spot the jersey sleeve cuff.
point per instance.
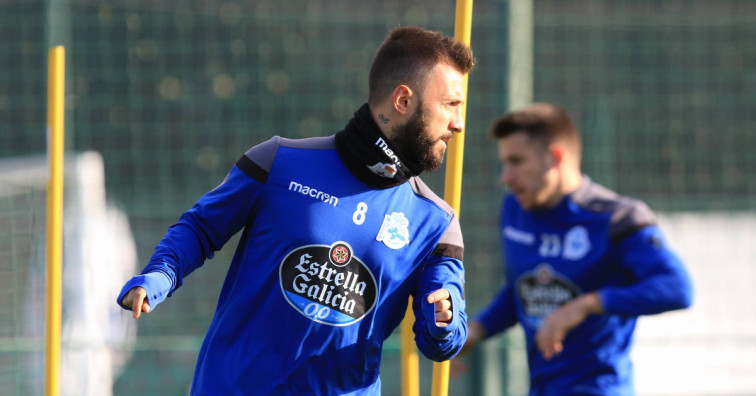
(606, 300)
(156, 284)
(429, 311)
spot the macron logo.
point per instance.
(314, 193)
(519, 236)
(386, 150)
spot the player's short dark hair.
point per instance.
(408, 54)
(542, 122)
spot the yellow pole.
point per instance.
(55, 110)
(452, 195)
(453, 181)
(409, 357)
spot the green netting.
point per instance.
(21, 245)
(663, 92)
(172, 93)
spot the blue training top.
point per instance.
(330, 253)
(593, 240)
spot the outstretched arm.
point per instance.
(661, 284)
(198, 234)
(500, 314)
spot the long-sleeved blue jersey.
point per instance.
(337, 235)
(593, 240)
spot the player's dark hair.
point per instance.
(542, 122)
(408, 54)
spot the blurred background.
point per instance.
(163, 97)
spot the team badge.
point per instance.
(394, 231)
(577, 243)
(382, 169)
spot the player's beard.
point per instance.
(412, 140)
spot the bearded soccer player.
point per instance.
(337, 233)
(582, 262)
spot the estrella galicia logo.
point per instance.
(542, 291)
(328, 284)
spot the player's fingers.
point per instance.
(549, 343)
(443, 305)
(545, 347)
(138, 298)
(136, 308)
(558, 348)
(542, 342)
(438, 295)
(552, 350)
(443, 317)
(128, 298)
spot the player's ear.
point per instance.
(402, 99)
(557, 152)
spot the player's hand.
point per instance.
(137, 299)
(554, 329)
(443, 305)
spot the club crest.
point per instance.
(382, 169)
(577, 243)
(394, 231)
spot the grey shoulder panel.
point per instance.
(451, 243)
(258, 160)
(627, 214)
(264, 153)
(314, 143)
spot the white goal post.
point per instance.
(98, 254)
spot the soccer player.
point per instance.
(337, 233)
(582, 262)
